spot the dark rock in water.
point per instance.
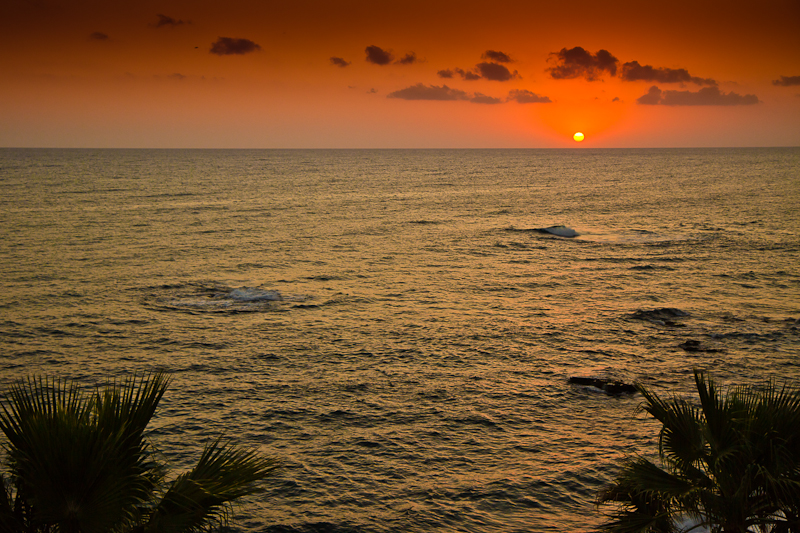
(696, 346)
(610, 386)
(559, 231)
(691, 346)
(664, 316)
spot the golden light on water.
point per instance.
(578, 136)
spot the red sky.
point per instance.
(413, 74)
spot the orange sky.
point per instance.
(262, 74)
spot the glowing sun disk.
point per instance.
(578, 136)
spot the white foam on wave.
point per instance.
(250, 294)
(632, 236)
(560, 231)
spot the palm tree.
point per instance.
(82, 463)
(730, 464)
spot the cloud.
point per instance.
(98, 36)
(226, 46)
(177, 76)
(407, 59)
(495, 72)
(705, 96)
(378, 56)
(616, 99)
(429, 92)
(652, 97)
(577, 63)
(524, 96)
(164, 20)
(633, 71)
(787, 81)
(479, 98)
(485, 71)
(468, 75)
(339, 62)
(494, 55)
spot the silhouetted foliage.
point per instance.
(730, 464)
(80, 462)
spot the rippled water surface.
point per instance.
(391, 324)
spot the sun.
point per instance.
(578, 136)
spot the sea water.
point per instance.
(392, 324)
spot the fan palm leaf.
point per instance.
(82, 463)
(731, 462)
(200, 499)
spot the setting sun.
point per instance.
(578, 136)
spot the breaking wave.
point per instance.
(213, 297)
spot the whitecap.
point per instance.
(559, 231)
(250, 294)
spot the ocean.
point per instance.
(394, 325)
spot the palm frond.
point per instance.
(200, 498)
(681, 439)
(78, 468)
(733, 462)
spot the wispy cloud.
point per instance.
(633, 71)
(495, 72)
(578, 63)
(468, 75)
(495, 55)
(164, 20)
(524, 96)
(339, 62)
(482, 71)
(378, 56)
(480, 98)
(98, 36)
(787, 81)
(225, 46)
(429, 92)
(710, 96)
(407, 59)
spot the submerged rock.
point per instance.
(696, 346)
(610, 386)
(664, 316)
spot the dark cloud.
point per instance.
(787, 81)
(446, 73)
(494, 55)
(616, 99)
(98, 36)
(226, 46)
(705, 96)
(495, 72)
(652, 97)
(524, 96)
(177, 76)
(633, 71)
(407, 59)
(164, 20)
(429, 92)
(468, 75)
(479, 98)
(378, 56)
(339, 62)
(578, 63)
